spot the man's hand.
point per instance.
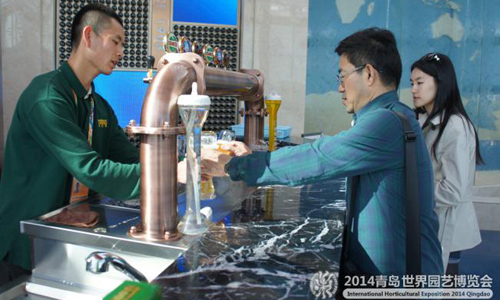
(213, 162)
(236, 148)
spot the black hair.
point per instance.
(377, 47)
(447, 101)
(96, 15)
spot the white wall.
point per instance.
(274, 41)
(27, 35)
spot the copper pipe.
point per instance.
(228, 83)
(254, 112)
(158, 153)
(158, 132)
(254, 123)
(249, 85)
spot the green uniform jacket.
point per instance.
(47, 145)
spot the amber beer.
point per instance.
(208, 141)
(207, 188)
(223, 147)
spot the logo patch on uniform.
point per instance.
(102, 123)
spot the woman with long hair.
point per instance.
(454, 147)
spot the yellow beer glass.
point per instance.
(208, 141)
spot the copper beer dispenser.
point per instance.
(158, 132)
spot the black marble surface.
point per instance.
(268, 247)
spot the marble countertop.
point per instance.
(269, 247)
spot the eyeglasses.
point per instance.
(341, 77)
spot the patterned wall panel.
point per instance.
(135, 15)
(223, 110)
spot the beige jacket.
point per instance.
(454, 170)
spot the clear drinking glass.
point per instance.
(225, 137)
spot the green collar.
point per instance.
(74, 83)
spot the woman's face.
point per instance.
(423, 88)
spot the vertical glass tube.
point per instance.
(193, 221)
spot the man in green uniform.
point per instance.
(62, 129)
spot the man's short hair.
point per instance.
(96, 15)
(377, 47)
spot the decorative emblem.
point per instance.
(170, 43)
(217, 57)
(324, 285)
(184, 45)
(196, 48)
(208, 54)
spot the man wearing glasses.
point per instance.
(373, 150)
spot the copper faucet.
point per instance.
(158, 132)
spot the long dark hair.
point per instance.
(447, 101)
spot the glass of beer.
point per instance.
(208, 141)
(223, 147)
(226, 137)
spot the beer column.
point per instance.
(135, 15)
